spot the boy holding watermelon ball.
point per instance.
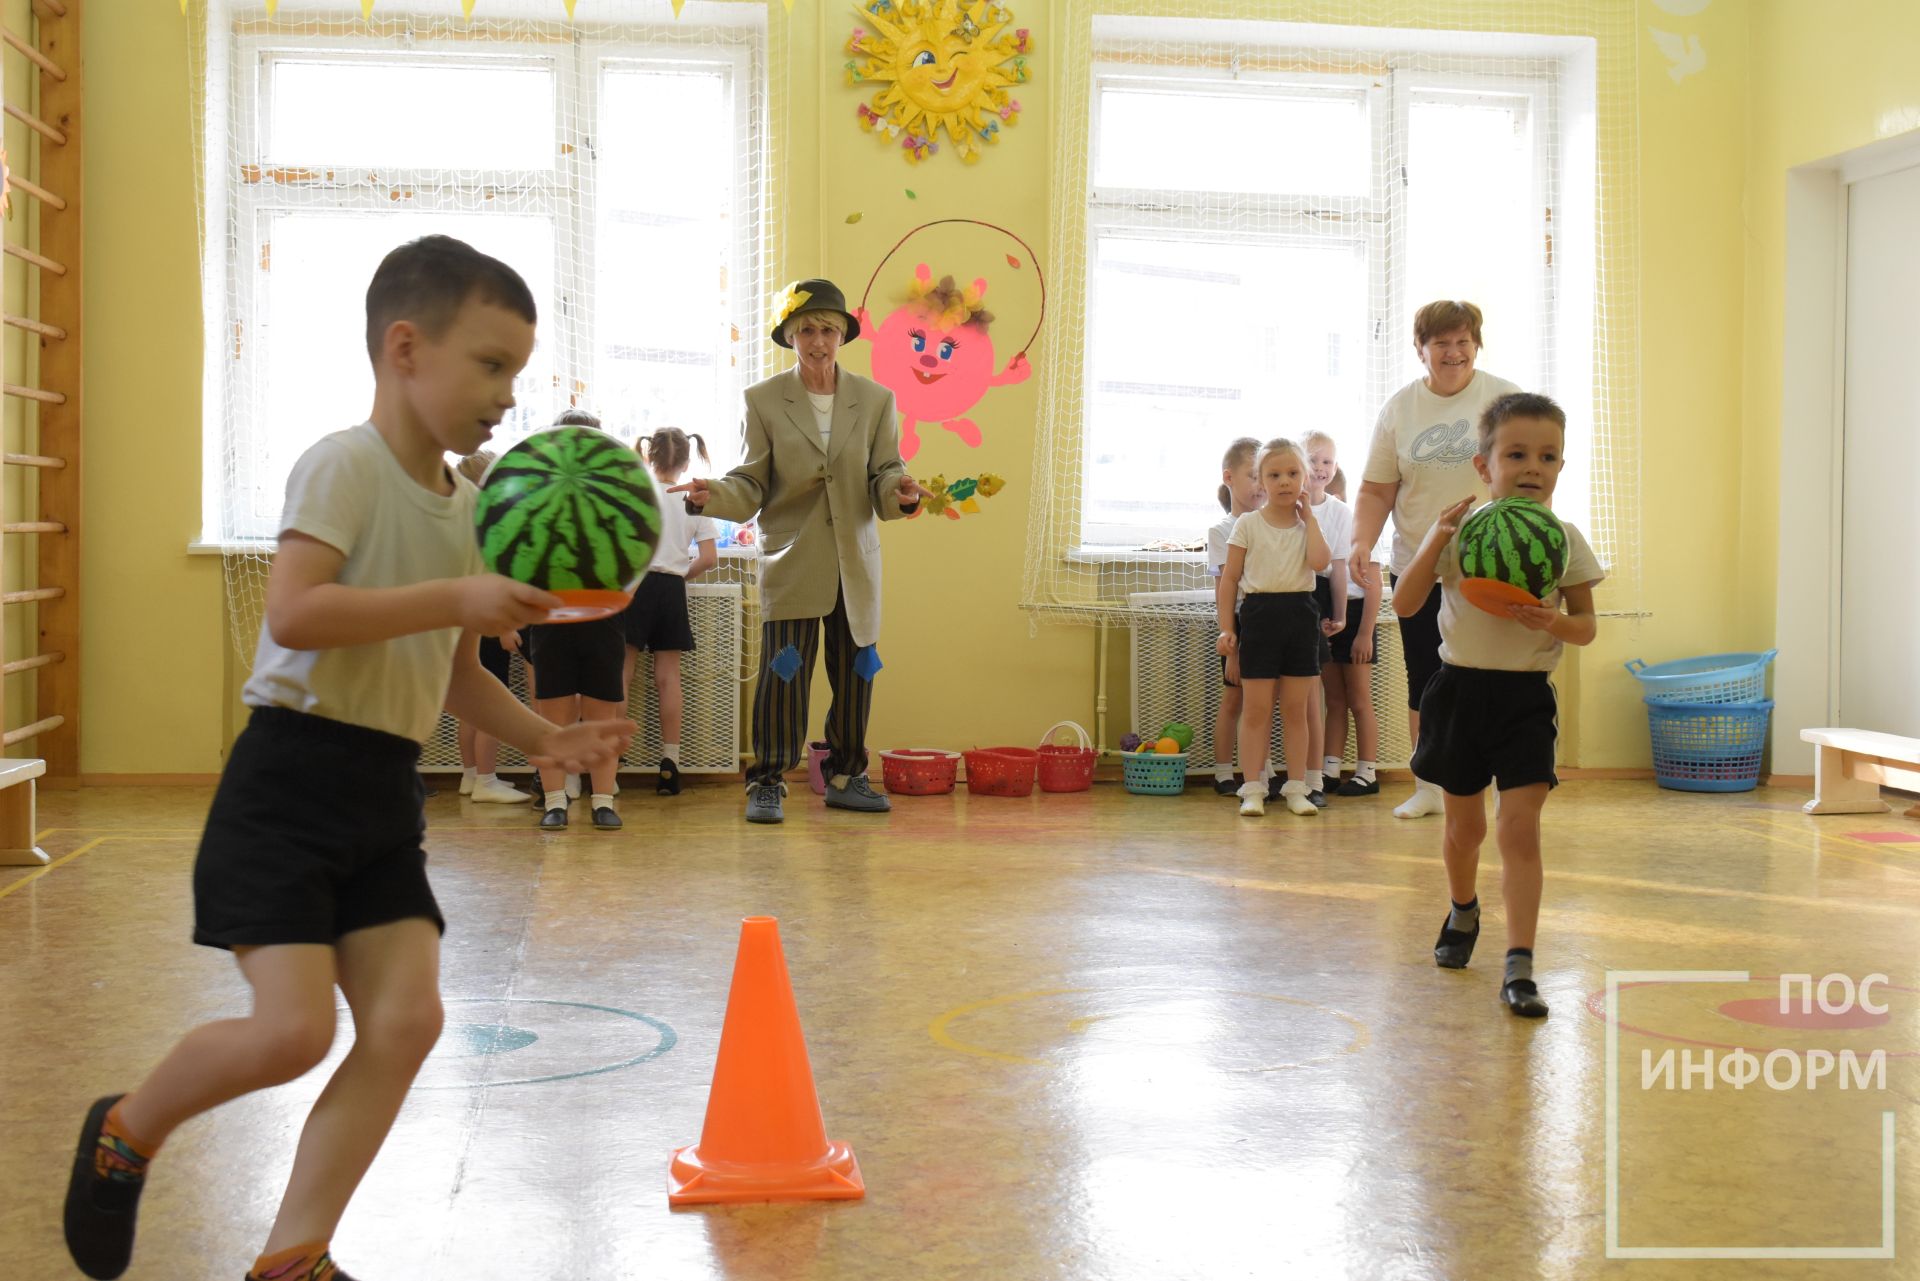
(1488, 715)
(312, 868)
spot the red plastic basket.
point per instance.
(1066, 767)
(919, 771)
(1001, 771)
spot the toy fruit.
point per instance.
(1129, 742)
(1168, 747)
(1179, 732)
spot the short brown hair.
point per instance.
(576, 418)
(428, 280)
(1444, 317)
(1518, 404)
(1240, 451)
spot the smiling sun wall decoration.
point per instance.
(938, 64)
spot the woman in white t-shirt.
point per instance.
(1421, 463)
(656, 618)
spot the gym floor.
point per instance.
(1072, 1036)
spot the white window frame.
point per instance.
(564, 193)
(1114, 210)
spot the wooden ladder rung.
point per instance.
(35, 190)
(34, 730)
(35, 393)
(33, 326)
(33, 55)
(26, 594)
(33, 527)
(32, 460)
(28, 664)
(36, 124)
(27, 255)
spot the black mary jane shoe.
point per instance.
(1455, 947)
(1523, 998)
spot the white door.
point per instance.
(1880, 505)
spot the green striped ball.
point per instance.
(569, 509)
(1517, 541)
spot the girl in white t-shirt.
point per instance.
(1329, 586)
(1349, 679)
(1275, 552)
(1239, 494)
(657, 618)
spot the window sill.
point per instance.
(1126, 555)
(267, 546)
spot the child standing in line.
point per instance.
(1275, 551)
(656, 619)
(1489, 714)
(1239, 494)
(1349, 681)
(1336, 523)
(480, 751)
(576, 677)
(312, 868)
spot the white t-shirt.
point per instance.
(1471, 637)
(823, 414)
(1217, 536)
(679, 531)
(1276, 558)
(1336, 526)
(1425, 443)
(349, 492)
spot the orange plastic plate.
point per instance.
(584, 606)
(1494, 596)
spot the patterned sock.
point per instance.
(301, 1263)
(1465, 915)
(1519, 964)
(1363, 770)
(119, 1156)
(1332, 766)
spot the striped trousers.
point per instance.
(787, 650)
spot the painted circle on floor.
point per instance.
(492, 1041)
(1214, 1030)
(1695, 1013)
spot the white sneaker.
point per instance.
(1426, 799)
(1253, 800)
(1294, 792)
(573, 787)
(499, 792)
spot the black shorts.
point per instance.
(316, 831)
(578, 658)
(1343, 639)
(494, 657)
(656, 618)
(1478, 726)
(1420, 646)
(1279, 636)
(1323, 601)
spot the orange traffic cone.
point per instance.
(763, 1139)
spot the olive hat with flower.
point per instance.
(811, 295)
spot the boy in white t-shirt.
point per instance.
(1489, 714)
(1239, 494)
(312, 868)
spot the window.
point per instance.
(1258, 240)
(548, 153)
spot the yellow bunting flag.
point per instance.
(366, 10)
(273, 7)
(678, 5)
(570, 4)
(466, 7)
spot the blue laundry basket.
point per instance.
(1708, 747)
(1717, 678)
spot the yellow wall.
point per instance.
(1830, 86)
(1784, 82)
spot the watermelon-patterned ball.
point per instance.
(569, 509)
(1516, 541)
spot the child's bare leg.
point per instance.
(469, 751)
(1518, 834)
(1333, 683)
(1358, 678)
(607, 773)
(560, 711)
(666, 684)
(1466, 828)
(390, 975)
(1256, 726)
(1226, 729)
(627, 665)
(1298, 737)
(1315, 720)
(486, 753)
(288, 1032)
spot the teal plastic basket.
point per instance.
(1152, 774)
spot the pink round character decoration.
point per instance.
(934, 354)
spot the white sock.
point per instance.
(1223, 770)
(1332, 765)
(603, 800)
(1316, 781)
(1426, 799)
(556, 800)
(1363, 770)
(670, 752)
(486, 778)
(469, 774)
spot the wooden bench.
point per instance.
(17, 823)
(1849, 766)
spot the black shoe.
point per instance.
(1227, 786)
(1274, 785)
(100, 1212)
(669, 778)
(1355, 786)
(1455, 947)
(554, 819)
(604, 818)
(1523, 998)
(1319, 799)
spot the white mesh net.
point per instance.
(622, 163)
(1248, 212)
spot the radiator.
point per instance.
(1176, 677)
(710, 678)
